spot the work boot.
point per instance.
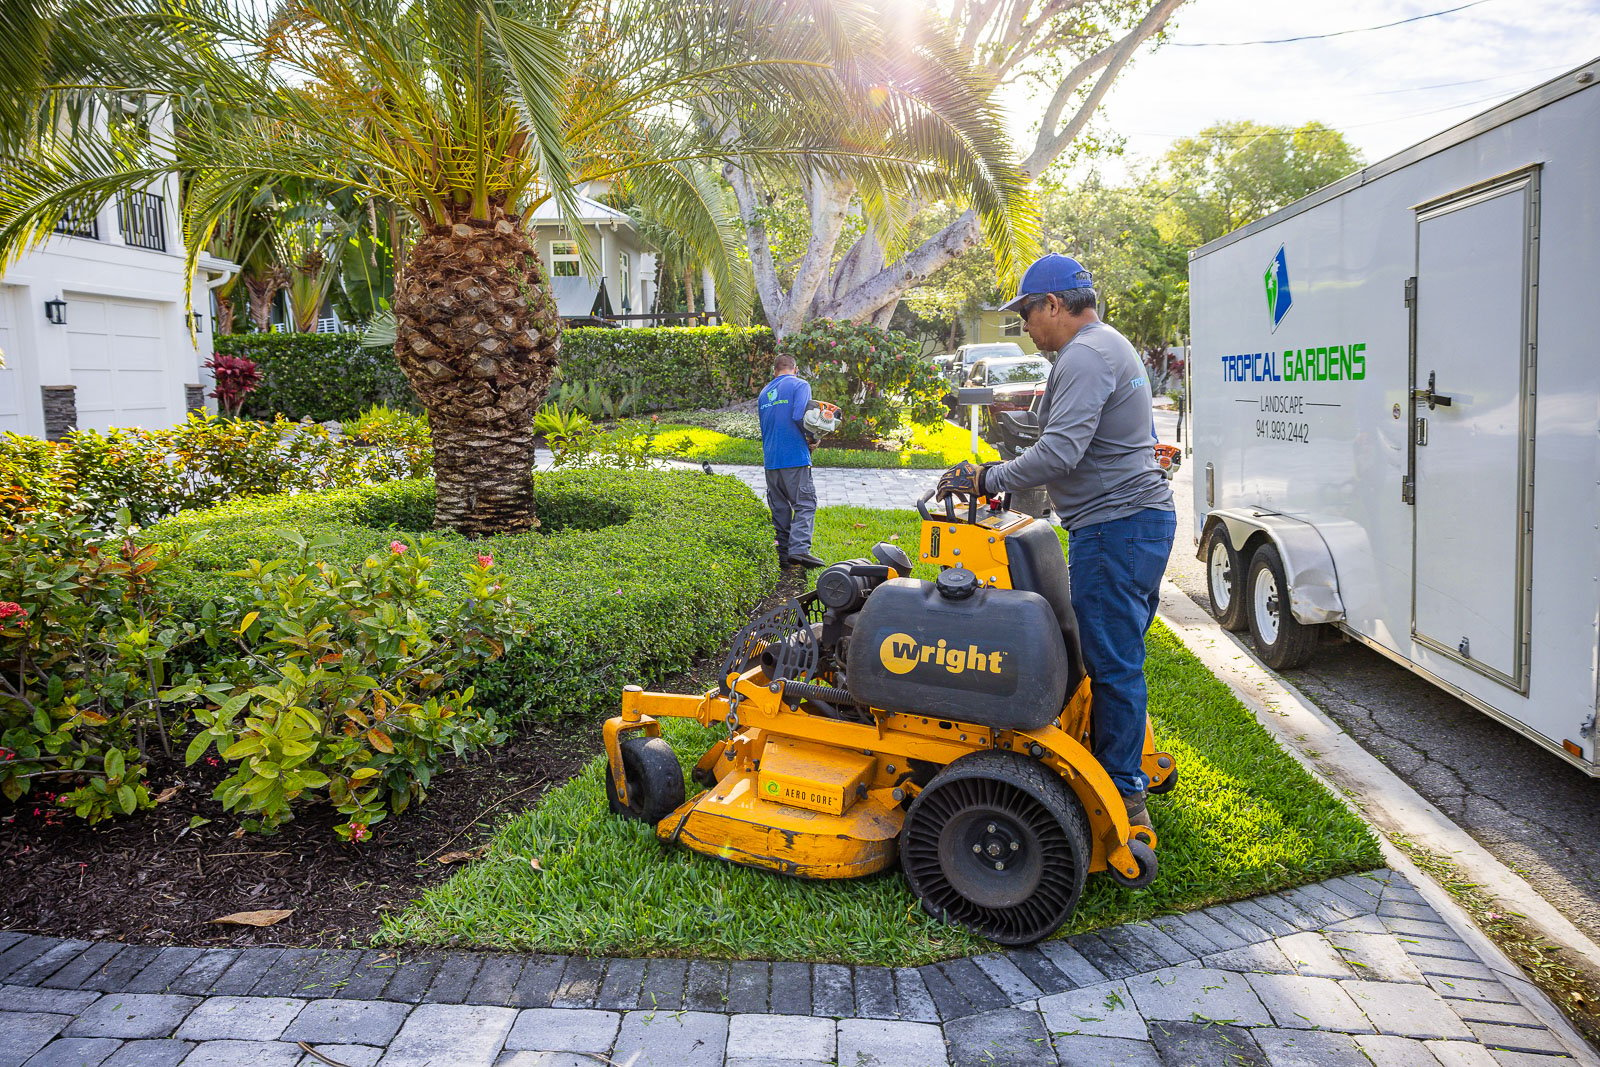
(1135, 802)
(806, 560)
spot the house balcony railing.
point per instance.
(79, 222)
(142, 218)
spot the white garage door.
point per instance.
(11, 375)
(118, 361)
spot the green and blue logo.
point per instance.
(1279, 298)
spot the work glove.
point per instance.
(964, 479)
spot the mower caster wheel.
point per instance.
(1145, 856)
(999, 844)
(704, 779)
(1166, 785)
(655, 781)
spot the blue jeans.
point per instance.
(1116, 570)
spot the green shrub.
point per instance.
(85, 647)
(339, 687)
(875, 376)
(318, 375)
(199, 463)
(670, 367)
(551, 420)
(631, 576)
(745, 425)
(322, 683)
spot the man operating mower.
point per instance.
(1095, 459)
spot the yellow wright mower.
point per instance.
(944, 722)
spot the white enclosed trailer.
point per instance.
(1395, 406)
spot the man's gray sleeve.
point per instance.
(1085, 381)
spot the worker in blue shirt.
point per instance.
(786, 450)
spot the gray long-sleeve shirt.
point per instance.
(1094, 449)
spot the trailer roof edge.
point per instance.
(1557, 88)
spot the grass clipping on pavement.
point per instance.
(568, 876)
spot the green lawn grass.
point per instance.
(1245, 819)
(932, 448)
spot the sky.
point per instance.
(1385, 89)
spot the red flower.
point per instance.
(9, 608)
(486, 560)
(397, 547)
(359, 831)
(6, 755)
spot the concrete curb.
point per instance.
(1380, 797)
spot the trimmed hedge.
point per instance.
(631, 577)
(673, 367)
(330, 376)
(320, 375)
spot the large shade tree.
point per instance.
(1066, 54)
(463, 114)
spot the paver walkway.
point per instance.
(1354, 972)
(835, 485)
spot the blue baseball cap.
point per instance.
(1053, 273)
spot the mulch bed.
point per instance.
(150, 878)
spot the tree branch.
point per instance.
(887, 284)
(748, 197)
(1050, 143)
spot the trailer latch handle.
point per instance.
(1434, 399)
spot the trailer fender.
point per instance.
(1307, 562)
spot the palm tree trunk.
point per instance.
(224, 315)
(483, 476)
(478, 336)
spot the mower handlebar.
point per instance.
(949, 507)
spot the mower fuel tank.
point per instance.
(993, 657)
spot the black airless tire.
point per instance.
(1282, 641)
(998, 844)
(1146, 858)
(1225, 582)
(1166, 785)
(655, 781)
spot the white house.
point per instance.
(95, 327)
(626, 265)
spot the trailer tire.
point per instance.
(1225, 582)
(1282, 641)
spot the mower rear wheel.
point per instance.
(655, 781)
(998, 844)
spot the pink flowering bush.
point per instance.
(85, 647)
(875, 376)
(341, 690)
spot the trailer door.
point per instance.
(1472, 363)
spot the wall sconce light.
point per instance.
(56, 311)
(199, 321)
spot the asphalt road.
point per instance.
(1536, 813)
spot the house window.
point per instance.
(626, 289)
(1011, 327)
(564, 259)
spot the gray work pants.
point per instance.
(793, 500)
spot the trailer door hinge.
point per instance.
(1408, 490)
(1411, 291)
(1422, 431)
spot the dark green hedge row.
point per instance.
(672, 367)
(330, 376)
(630, 578)
(321, 375)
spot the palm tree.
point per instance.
(466, 113)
